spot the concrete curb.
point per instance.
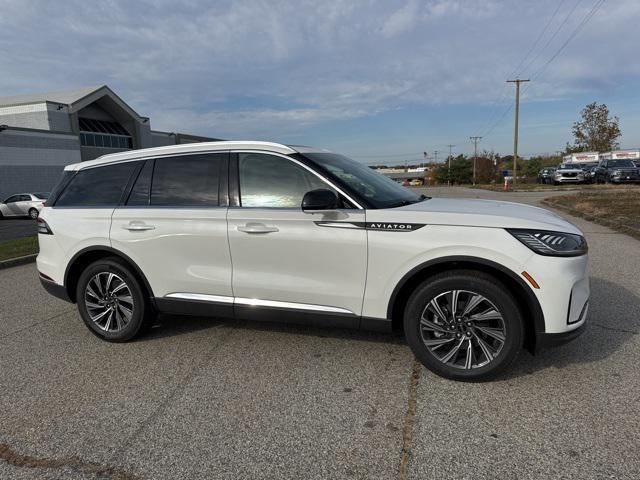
(14, 262)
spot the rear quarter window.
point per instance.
(97, 187)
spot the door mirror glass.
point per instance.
(320, 199)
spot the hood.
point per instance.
(478, 213)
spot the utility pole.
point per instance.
(449, 170)
(517, 81)
(475, 141)
(435, 156)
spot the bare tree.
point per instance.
(596, 131)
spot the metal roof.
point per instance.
(66, 97)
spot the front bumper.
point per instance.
(545, 340)
(569, 180)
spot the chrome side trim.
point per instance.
(200, 296)
(255, 302)
(350, 225)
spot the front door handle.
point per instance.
(138, 226)
(257, 228)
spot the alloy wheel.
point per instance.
(109, 302)
(462, 329)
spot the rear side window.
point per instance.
(97, 187)
(187, 181)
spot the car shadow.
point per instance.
(614, 316)
(172, 325)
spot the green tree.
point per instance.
(461, 171)
(596, 131)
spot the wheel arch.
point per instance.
(529, 304)
(87, 256)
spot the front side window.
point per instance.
(380, 191)
(270, 181)
(97, 187)
(187, 181)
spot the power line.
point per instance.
(537, 40)
(585, 20)
(553, 36)
(539, 72)
(503, 92)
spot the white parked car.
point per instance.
(258, 230)
(569, 173)
(23, 205)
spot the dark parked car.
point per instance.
(617, 171)
(589, 171)
(546, 175)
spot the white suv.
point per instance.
(258, 230)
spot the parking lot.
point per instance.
(13, 228)
(212, 398)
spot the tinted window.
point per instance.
(139, 195)
(379, 190)
(41, 195)
(274, 182)
(11, 199)
(620, 164)
(97, 187)
(187, 181)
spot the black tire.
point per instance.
(33, 213)
(467, 332)
(141, 315)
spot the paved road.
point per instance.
(204, 398)
(13, 228)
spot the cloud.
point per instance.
(401, 20)
(238, 68)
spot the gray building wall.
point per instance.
(33, 160)
(26, 116)
(41, 116)
(162, 139)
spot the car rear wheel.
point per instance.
(33, 213)
(464, 325)
(111, 301)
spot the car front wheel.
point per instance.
(464, 325)
(111, 301)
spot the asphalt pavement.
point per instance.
(211, 398)
(14, 228)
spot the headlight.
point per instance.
(558, 175)
(555, 244)
(616, 173)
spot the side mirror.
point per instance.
(320, 199)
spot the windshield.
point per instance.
(569, 166)
(378, 190)
(41, 195)
(620, 164)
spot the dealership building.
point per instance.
(41, 133)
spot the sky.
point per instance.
(381, 81)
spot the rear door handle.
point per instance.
(138, 226)
(257, 228)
